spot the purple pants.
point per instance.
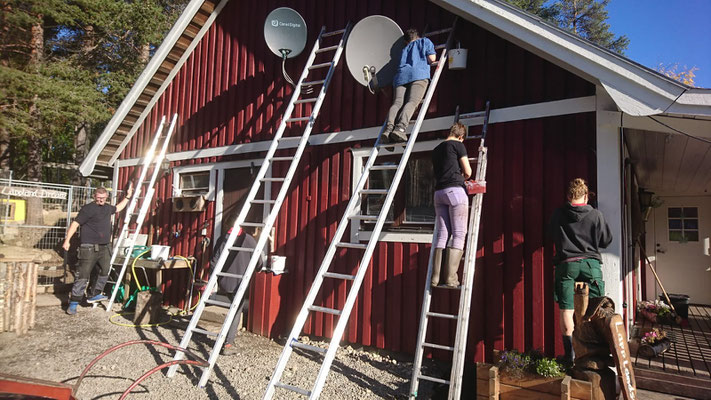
(451, 212)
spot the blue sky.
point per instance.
(666, 32)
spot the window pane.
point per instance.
(692, 236)
(675, 236)
(379, 179)
(690, 212)
(691, 224)
(674, 224)
(419, 191)
(674, 212)
(197, 180)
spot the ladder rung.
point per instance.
(440, 46)
(339, 276)
(229, 275)
(204, 332)
(254, 224)
(449, 287)
(325, 49)
(398, 144)
(364, 217)
(433, 379)
(298, 390)
(311, 100)
(308, 347)
(218, 303)
(297, 119)
(441, 315)
(438, 346)
(433, 33)
(273, 179)
(236, 248)
(289, 138)
(263, 201)
(322, 65)
(284, 158)
(352, 245)
(333, 33)
(374, 191)
(382, 167)
(475, 114)
(318, 82)
(325, 310)
(474, 137)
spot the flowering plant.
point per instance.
(656, 307)
(654, 336)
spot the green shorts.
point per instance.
(567, 273)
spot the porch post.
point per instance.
(609, 193)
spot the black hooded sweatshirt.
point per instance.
(578, 231)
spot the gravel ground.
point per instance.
(60, 346)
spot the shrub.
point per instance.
(517, 365)
(549, 368)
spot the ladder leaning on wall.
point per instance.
(279, 143)
(143, 194)
(352, 214)
(465, 294)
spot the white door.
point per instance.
(680, 226)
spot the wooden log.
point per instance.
(18, 298)
(148, 307)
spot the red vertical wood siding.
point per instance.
(231, 91)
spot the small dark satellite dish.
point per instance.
(285, 32)
(373, 51)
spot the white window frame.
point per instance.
(217, 176)
(360, 157)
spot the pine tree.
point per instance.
(65, 66)
(586, 18)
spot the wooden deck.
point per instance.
(685, 369)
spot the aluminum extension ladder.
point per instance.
(262, 177)
(132, 227)
(465, 295)
(352, 214)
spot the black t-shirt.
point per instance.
(95, 221)
(445, 161)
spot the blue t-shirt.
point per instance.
(413, 62)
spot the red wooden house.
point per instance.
(561, 108)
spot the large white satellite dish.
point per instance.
(373, 51)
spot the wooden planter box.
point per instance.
(493, 386)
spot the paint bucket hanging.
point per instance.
(457, 58)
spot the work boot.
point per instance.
(454, 256)
(72, 309)
(436, 265)
(398, 135)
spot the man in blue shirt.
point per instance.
(409, 84)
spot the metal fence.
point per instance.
(37, 214)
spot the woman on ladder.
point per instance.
(451, 169)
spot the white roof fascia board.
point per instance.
(168, 80)
(509, 114)
(171, 38)
(639, 91)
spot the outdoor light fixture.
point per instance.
(645, 199)
(165, 166)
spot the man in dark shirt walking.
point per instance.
(95, 221)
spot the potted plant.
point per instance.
(654, 343)
(656, 311)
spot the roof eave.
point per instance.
(637, 89)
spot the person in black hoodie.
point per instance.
(578, 232)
